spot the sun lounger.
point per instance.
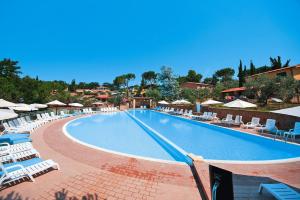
(228, 119)
(293, 132)
(269, 126)
(237, 121)
(12, 172)
(280, 191)
(254, 123)
(25, 146)
(39, 117)
(13, 156)
(14, 138)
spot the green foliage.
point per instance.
(149, 78)
(287, 88)
(252, 68)
(217, 92)
(192, 76)
(72, 86)
(116, 100)
(225, 74)
(9, 69)
(277, 64)
(261, 88)
(241, 74)
(169, 86)
(154, 93)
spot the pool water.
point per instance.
(156, 135)
(116, 132)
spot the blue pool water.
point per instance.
(156, 135)
(116, 132)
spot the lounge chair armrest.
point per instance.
(291, 130)
(4, 144)
(15, 166)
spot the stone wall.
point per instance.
(285, 122)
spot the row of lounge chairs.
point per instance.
(109, 109)
(184, 112)
(269, 126)
(18, 158)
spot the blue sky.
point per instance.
(95, 40)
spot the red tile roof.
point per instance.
(234, 89)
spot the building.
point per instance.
(195, 85)
(293, 71)
(232, 93)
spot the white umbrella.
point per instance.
(211, 102)
(38, 105)
(97, 103)
(7, 114)
(163, 102)
(23, 107)
(56, 103)
(75, 104)
(184, 102)
(181, 102)
(294, 111)
(239, 104)
(6, 104)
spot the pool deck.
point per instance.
(87, 173)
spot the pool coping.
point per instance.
(288, 160)
(66, 133)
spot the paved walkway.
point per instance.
(92, 174)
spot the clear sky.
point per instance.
(96, 40)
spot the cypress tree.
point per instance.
(241, 74)
(252, 68)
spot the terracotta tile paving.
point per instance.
(92, 174)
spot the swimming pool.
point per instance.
(151, 134)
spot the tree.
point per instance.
(153, 93)
(149, 78)
(128, 78)
(241, 74)
(287, 89)
(9, 68)
(169, 86)
(193, 76)
(72, 86)
(277, 64)
(225, 74)
(211, 80)
(189, 94)
(119, 82)
(252, 68)
(261, 88)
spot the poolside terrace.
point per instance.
(92, 174)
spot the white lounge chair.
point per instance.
(254, 123)
(280, 191)
(13, 155)
(24, 146)
(39, 117)
(237, 121)
(293, 132)
(197, 117)
(211, 117)
(12, 172)
(228, 119)
(269, 126)
(13, 129)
